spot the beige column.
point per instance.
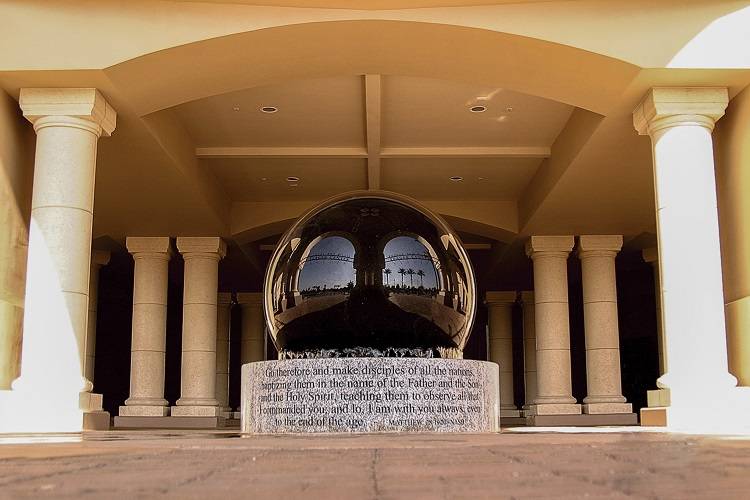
(500, 345)
(679, 122)
(99, 258)
(199, 317)
(529, 348)
(603, 380)
(554, 386)
(68, 123)
(253, 327)
(223, 324)
(149, 329)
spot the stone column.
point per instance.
(529, 348)
(554, 386)
(679, 122)
(658, 397)
(500, 345)
(68, 123)
(223, 325)
(99, 258)
(253, 327)
(149, 330)
(199, 317)
(597, 254)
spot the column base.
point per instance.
(96, 421)
(727, 412)
(554, 409)
(658, 398)
(146, 422)
(509, 413)
(143, 411)
(90, 401)
(607, 408)
(196, 411)
(35, 412)
(584, 420)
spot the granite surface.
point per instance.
(370, 395)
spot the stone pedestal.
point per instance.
(199, 322)
(68, 123)
(500, 346)
(149, 330)
(554, 387)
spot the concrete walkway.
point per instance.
(207, 465)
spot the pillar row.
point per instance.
(500, 346)
(199, 323)
(603, 379)
(529, 349)
(554, 385)
(149, 330)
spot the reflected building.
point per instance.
(370, 275)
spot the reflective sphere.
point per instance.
(370, 273)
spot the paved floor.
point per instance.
(207, 465)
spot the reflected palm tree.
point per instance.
(410, 272)
(402, 272)
(387, 273)
(420, 273)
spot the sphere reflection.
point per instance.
(369, 274)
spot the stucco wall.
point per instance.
(16, 172)
(732, 138)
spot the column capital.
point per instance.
(224, 299)
(609, 244)
(650, 255)
(554, 244)
(147, 244)
(664, 107)
(100, 257)
(500, 298)
(205, 245)
(250, 298)
(87, 104)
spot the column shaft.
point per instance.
(500, 346)
(253, 327)
(99, 258)
(554, 387)
(149, 330)
(223, 325)
(597, 254)
(529, 349)
(199, 317)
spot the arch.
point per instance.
(313, 50)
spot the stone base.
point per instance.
(509, 413)
(96, 421)
(554, 409)
(512, 421)
(607, 408)
(654, 417)
(196, 411)
(122, 422)
(658, 398)
(90, 401)
(236, 415)
(582, 420)
(144, 411)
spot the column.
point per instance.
(253, 327)
(603, 380)
(500, 345)
(149, 330)
(679, 122)
(199, 323)
(99, 258)
(68, 123)
(658, 397)
(529, 348)
(554, 386)
(223, 325)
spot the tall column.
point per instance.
(68, 123)
(597, 254)
(500, 346)
(679, 122)
(149, 330)
(529, 348)
(223, 325)
(99, 258)
(253, 327)
(554, 386)
(199, 322)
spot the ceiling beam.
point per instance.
(280, 152)
(373, 107)
(345, 152)
(467, 152)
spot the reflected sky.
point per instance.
(337, 274)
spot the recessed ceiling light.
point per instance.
(501, 118)
(269, 109)
(292, 178)
(509, 109)
(264, 179)
(480, 178)
(456, 178)
(236, 108)
(478, 109)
